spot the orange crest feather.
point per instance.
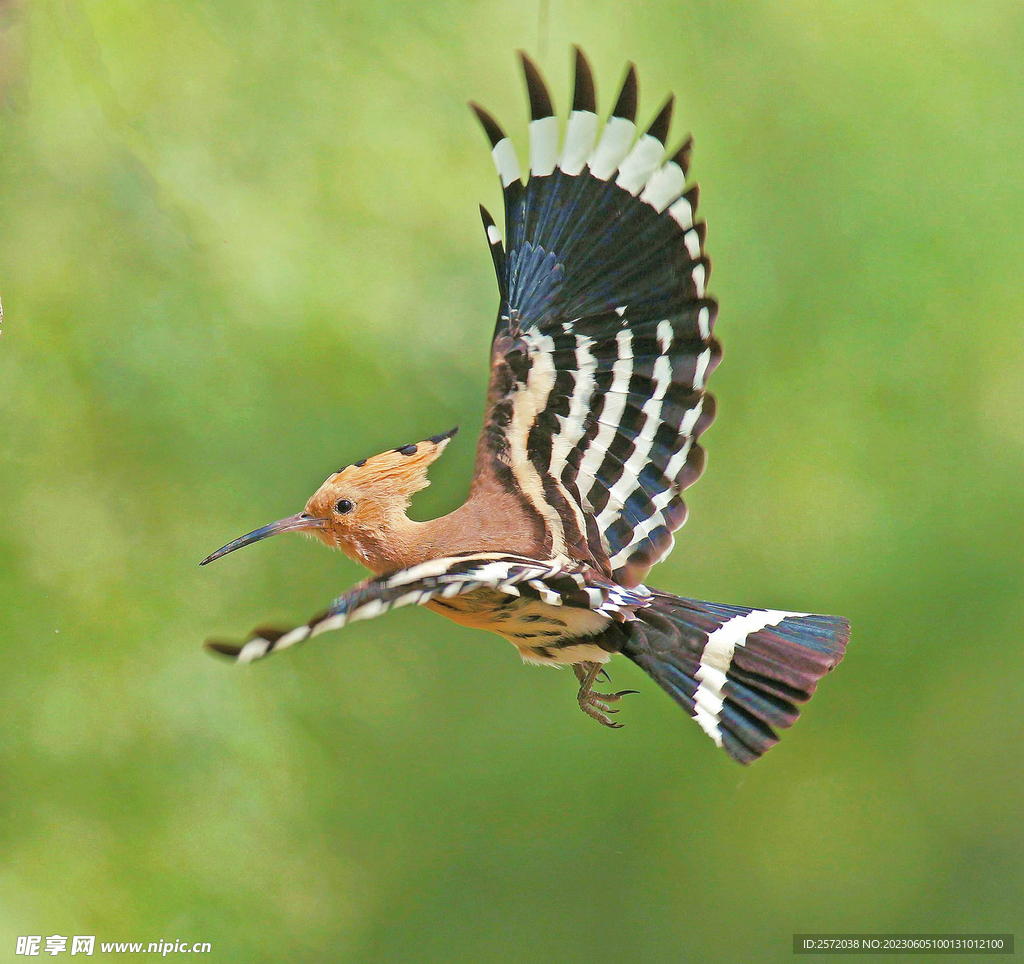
(400, 472)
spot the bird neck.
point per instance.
(489, 521)
(387, 545)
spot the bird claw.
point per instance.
(597, 705)
(597, 710)
(614, 697)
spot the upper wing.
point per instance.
(554, 581)
(603, 343)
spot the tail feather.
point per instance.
(739, 672)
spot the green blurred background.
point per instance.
(239, 246)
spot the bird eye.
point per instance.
(343, 506)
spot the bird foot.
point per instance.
(596, 705)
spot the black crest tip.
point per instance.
(441, 436)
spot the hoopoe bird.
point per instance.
(597, 398)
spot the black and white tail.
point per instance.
(739, 672)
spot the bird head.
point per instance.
(356, 506)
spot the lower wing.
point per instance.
(554, 581)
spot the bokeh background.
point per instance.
(239, 246)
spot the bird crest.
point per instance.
(401, 471)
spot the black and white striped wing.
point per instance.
(603, 345)
(551, 581)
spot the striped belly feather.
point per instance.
(543, 633)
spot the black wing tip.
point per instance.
(683, 154)
(663, 121)
(626, 104)
(219, 648)
(494, 243)
(536, 89)
(491, 127)
(584, 96)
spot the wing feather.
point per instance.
(556, 581)
(603, 345)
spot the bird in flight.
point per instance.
(597, 398)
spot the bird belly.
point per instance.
(544, 634)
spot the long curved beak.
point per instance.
(294, 523)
